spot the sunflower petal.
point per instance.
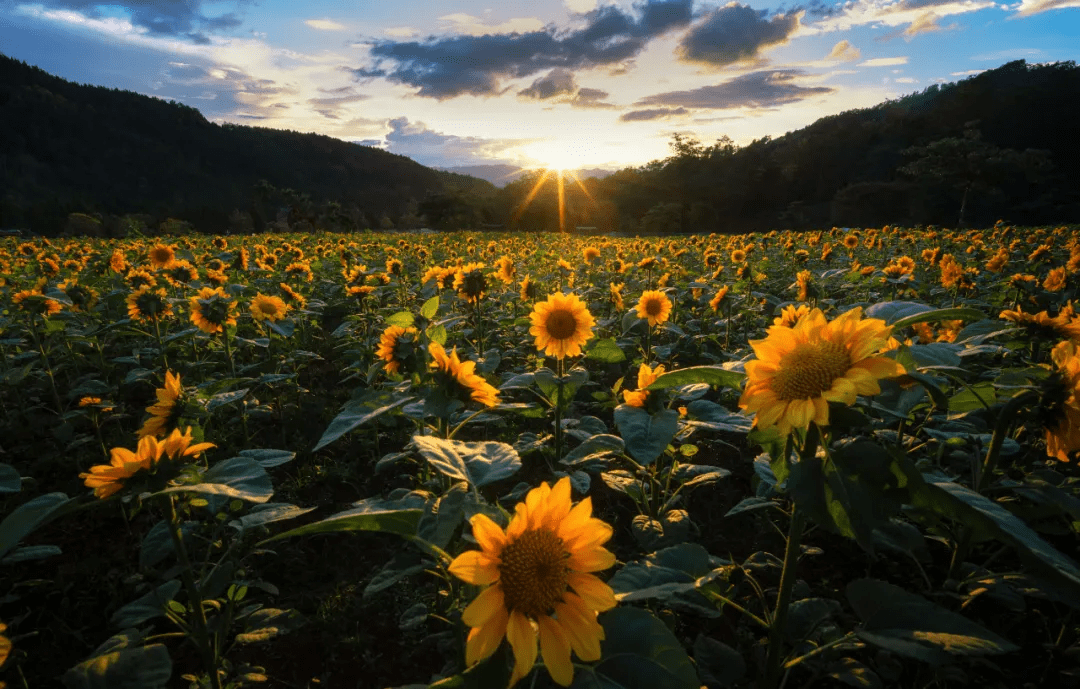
(555, 650)
(474, 567)
(522, 638)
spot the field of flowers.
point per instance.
(841, 458)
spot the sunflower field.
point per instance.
(839, 458)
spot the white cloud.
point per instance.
(844, 51)
(400, 32)
(461, 23)
(883, 62)
(325, 25)
(1030, 7)
(968, 73)
(580, 6)
(895, 13)
(906, 80)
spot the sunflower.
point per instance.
(654, 306)
(461, 377)
(396, 345)
(738, 256)
(180, 273)
(540, 585)
(646, 376)
(997, 263)
(791, 315)
(1055, 281)
(1059, 403)
(529, 290)
(145, 304)
(616, 297)
(590, 254)
(799, 370)
(81, 296)
(165, 413)
(393, 266)
(162, 256)
(107, 479)
(240, 261)
(470, 282)
(804, 280)
(299, 269)
(117, 261)
(718, 298)
(33, 301)
(561, 324)
(851, 241)
(264, 308)
(212, 310)
(506, 270)
(1041, 326)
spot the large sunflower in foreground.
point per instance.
(654, 306)
(539, 583)
(561, 324)
(460, 377)
(1059, 404)
(799, 370)
(107, 479)
(165, 413)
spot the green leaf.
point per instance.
(399, 517)
(713, 375)
(29, 516)
(352, 416)
(606, 351)
(599, 445)
(238, 477)
(717, 663)
(479, 463)
(854, 674)
(268, 513)
(908, 624)
(269, 458)
(956, 314)
(27, 553)
(751, 504)
(430, 308)
(714, 417)
(437, 333)
(267, 623)
(646, 436)
(147, 607)
(401, 565)
(121, 663)
(973, 397)
(284, 328)
(223, 398)
(10, 480)
(638, 651)
(663, 574)
(893, 311)
(402, 319)
(157, 544)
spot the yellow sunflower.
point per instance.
(561, 324)
(646, 376)
(718, 298)
(162, 256)
(1059, 408)
(265, 308)
(540, 585)
(107, 479)
(212, 310)
(529, 289)
(165, 413)
(654, 306)
(461, 376)
(790, 315)
(799, 370)
(292, 296)
(388, 346)
(1041, 326)
(33, 301)
(145, 304)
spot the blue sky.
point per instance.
(565, 83)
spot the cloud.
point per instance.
(761, 89)
(906, 80)
(734, 33)
(451, 66)
(558, 82)
(924, 23)
(325, 25)
(1030, 7)
(415, 140)
(883, 62)
(336, 102)
(652, 114)
(844, 52)
(469, 25)
(967, 73)
(580, 6)
(1010, 54)
(898, 13)
(181, 18)
(591, 98)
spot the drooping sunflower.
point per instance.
(799, 370)
(147, 305)
(107, 479)
(268, 308)
(804, 280)
(396, 345)
(212, 310)
(561, 324)
(654, 306)
(460, 377)
(165, 413)
(292, 296)
(506, 271)
(529, 289)
(1055, 280)
(162, 256)
(646, 376)
(1059, 403)
(718, 298)
(1064, 326)
(540, 585)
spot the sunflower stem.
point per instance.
(160, 345)
(558, 413)
(201, 633)
(775, 653)
(48, 366)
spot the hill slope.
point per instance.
(69, 147)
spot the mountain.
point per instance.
(501, 174)
(74, 148)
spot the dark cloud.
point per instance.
(557, 82)
(733, 33)
(763, 89)
(336, 102)
(652, 114)
(182, 18)
(452, 66)
(432, 148)
(560, 86)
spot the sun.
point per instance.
(561, 157)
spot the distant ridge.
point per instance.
(502, 174)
